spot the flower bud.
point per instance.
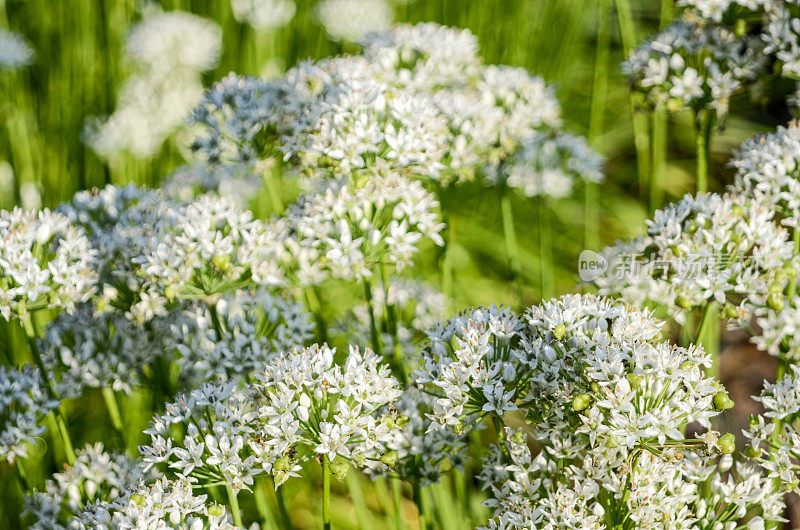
(222, 262)
(138, 499)
(282, 464)
(560, 331)
(635, 381)
(216, 510)
(775, 301)
(340, 466)
(581, 402)
(171, 291)
(683, 302)
(389, 458)
(722, 401)
(727, 443)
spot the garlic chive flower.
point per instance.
(778, 332)
(237, 183)
(87, 349)
(217, 422)
(15, 52)
(716, 10)
(45, 262)
(695, 66)
(768, 171)
(256, 326)
(474, 367)
(356, 224)
(264, 15)
(307, 406)
(96, 476)
(212, 248)
(23, 403)
(550, 165)
(349, 20)
(711, 248)
(782, 37)
(163, 505)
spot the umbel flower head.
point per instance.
(213, 247)
(45, 262)
(307, 406)
(87, 349)
(256, 326)
(711, 248)
(549, 165)
(782, 36)
(696, 66)
(349, 20)
(779, 334)
(264, 15)
(474, 367)
(15, 52)
(716, 10)
(768, 171)
(163, 505)
(217, 422)
(96, 476)
(23, 403)
(356, 224)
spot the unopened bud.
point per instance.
(581, 402)
(727, 443)
(560, 331)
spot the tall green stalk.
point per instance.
(233, 504)
(445, 255)
(708, 336)
(58, 415)
(419, 501)
(591, 224)
(397, 498)
(510, 238)
(315, 307)
(704, 123)
(326, 493)
(659, 159)
(545, 250)
(374, 333)
(398, 358)
(114, 414)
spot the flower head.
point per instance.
(23, 403)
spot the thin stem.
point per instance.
(271, 183)
(703, 124)
(398, 359)
(212, 310)
(445, 256)
(510, 237)
(373, 325)
(501, 438)
(791, 291)
(418, 500)
(110, 399)
(233, 503)
(357, 495)
(659, 157)
(287, 520)
(22, 476)
(326, 493)
(58, 415)
(545, 251)
(708, 336)
(315, 306)
(262, 506)
(397, 497)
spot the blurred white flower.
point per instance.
(15, 52)
(350, 20)
(264, 15)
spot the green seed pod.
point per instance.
(389, 458)
(688, 365)
(282, 464)
(775, 301)
(222, 262)
(722, 401)
(138, 499)
(171, 291)
(683, 302)
(560, 331)
(635, 381)
(340, 466)
(581, 402)
(216, 510)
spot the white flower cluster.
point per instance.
(85, 349)
(171, 50)
(163, 505)
(96, 476)
(546, 491)
(234, 182)
(264, 15)
(23, 402)
(15, 52)
(703, 249)
(550, 164)
(779, 334)
(475, 367)
(768, 170)
(212, 247)
(218, 421)
(45, 262)
(256, 326)
(349, 20)
(715, 10)
(775, 442)
(782, 36)
(355, 225)
(695, 66)
(609, 404)
(306, 406)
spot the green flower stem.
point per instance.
(262, 505)
(315, 306)
(791, 291)
(326, 493)
(110, 399)
(398, 359)
(58, 415)
(286, 520)
(501, 438)
(273, 186)
(545, 250)
(708, 336)
(659, 157)
(233, 504)
(418, 500)
(374, 334)
(445, 255)
(704, 123)
(397, 497)
(22, 476)
(357, 496)
(212, 309)
(510, 237)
